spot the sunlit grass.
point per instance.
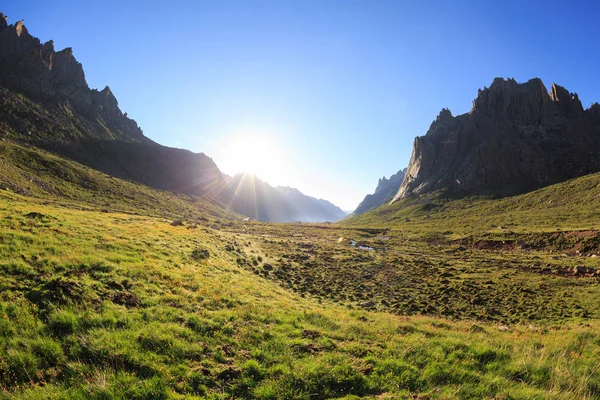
(119, 308)
(122, 304)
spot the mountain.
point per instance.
(516, 138)
(384, 192)
(248, 195)
(46, 102)
(310, 209)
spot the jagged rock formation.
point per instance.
(46, 102)
(516, 138)
(384, 193)
(250, 196)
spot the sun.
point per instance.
(255, 154)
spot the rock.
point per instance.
(268, 267)
(126, 299)
(579, 270)
(177, 223)
(384, 193)
(516, 138)
(503, 328)
(200, 254)
(35, 215)
(367, 304)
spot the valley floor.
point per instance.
(117, 305)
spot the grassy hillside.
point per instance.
(571, 205)
(97, 305)
(32, 172)
(102, 297)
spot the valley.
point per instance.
(125, 303)
(134, 270)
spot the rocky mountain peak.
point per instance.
(508, 99)
(384, 192)
(38, 71)
(517, 137)
(20, 28)
(47, 103)
(568, 103)
(444, 115)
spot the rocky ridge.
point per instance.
(384, 193)
(46, 102)
(516, 138)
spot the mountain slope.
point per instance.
(516, 138)
(248, 195)
(310, 209)
(46, 102)
(384, 192)
(565, 206)
(38, 174)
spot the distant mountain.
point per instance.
(516, 138)
(385, 191)
(310, 209)
(332, 208)
(46, 102)
(248, 195)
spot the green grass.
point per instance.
(41, 175)
(571, 205)
(97, 305)
(122, 304)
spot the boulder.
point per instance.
(579, 269)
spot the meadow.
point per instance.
(102, 299)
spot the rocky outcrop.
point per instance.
(45, 101)
(44, 75)
(516, 138)
(384, 193)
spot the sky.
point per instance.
(326, 96)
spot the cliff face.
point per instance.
(385, 191)
(516, 138)
(45, 101)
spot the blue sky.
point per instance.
(339, 89)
